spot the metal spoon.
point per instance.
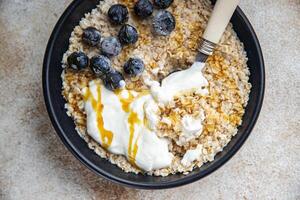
(219, 19)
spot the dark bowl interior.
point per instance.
(65, 128)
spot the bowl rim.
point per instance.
(161, 185)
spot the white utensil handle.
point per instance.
(219, 19)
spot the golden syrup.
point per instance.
(106, 135)
(132, 120)
(125, 101)
(146, 123)
(134, 151)
(132, 148)
(143, 93)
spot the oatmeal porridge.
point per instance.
(135, 95)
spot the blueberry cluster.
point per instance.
(163, 24)
(100, 65)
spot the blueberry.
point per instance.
(134, 66)
(118, 14)
(114, 80)
(128, 34)
(100, 65)
(143, 8)
(78, 60)
(111, 46)
(91, 36)
(163, 4)
(163, 23)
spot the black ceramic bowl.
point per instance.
(65, 128)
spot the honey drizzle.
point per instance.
(106, 135)
(132, 148)
(132, 120)
(125, 102)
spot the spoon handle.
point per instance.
(219, 19)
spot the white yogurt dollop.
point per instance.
(151, 110)
(190, 79)
(124, 123)
(191, 128)
(191, 155)
(151, 151)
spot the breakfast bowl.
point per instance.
(66, 129)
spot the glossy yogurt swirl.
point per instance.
(124, 122)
